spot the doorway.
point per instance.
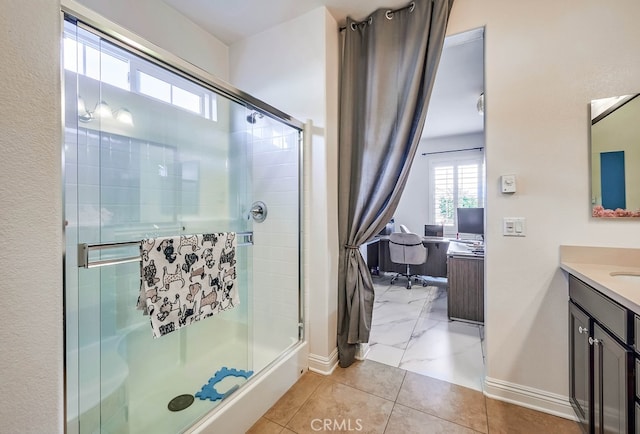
(411, 329)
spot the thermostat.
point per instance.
(508, 183)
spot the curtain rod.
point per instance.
(457, 150)
(389, 15)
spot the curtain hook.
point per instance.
(412, 6)
(370, 20)
(389, 14)
(353, 26)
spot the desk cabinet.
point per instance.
(373, 256)
(466, 288)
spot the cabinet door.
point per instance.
(611, 384)
(579, 351)
(466, 288)
(437, 258)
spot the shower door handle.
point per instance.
(258, 211)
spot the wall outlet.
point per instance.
(514, 227)
(508, 183)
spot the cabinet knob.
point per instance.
(593, 341)
(583, 330)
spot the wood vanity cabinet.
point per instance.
(601, 361)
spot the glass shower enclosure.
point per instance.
(152, 151)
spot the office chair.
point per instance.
(433, 230)
(407, 249)
(404, 229)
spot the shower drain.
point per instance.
(180, 402)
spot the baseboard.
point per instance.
(323, 365)
(535, 399)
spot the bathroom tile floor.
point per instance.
(410, 330)
(372, 397)
(423, 375)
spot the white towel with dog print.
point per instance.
(187, 278)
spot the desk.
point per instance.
(378, 258)
(466, 283)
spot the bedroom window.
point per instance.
(455, 183)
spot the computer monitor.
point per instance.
(433, 230)
(471, 221)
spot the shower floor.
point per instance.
(150, 413)
(129, 405)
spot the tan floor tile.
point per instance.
(406, 420)
(265, 426)
(371, 377)
(288, 431)
(283, 410)
(338, 408)
(512, 419)
(448, 401)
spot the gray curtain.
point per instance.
(388, 67)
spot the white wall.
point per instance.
(414, 209)
(161, 25)
(544, 61)
(293, 67)
(31, 222)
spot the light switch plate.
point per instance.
(508, 183)
(514, 227)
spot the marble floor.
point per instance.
(410, 330)
(371, 397)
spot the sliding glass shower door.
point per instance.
(150, 152)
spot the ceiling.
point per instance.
(460, 78)
(453, 108)
(231, 21)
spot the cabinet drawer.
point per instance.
(605, 311)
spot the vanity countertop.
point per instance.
(594, 265)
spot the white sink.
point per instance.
(626, 276)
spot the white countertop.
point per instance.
(594, 265)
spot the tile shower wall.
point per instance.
(115, 185)
(275, 260)
(122, 189)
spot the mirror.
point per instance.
(615, 157)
